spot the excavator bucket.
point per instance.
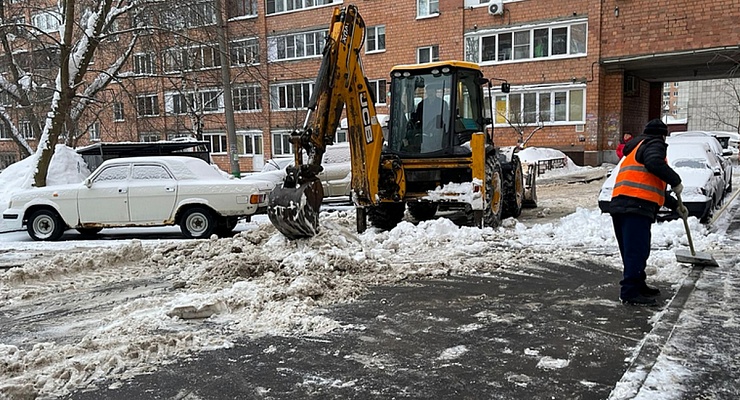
(295, 210)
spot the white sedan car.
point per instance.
(336, 177)
(140, 191)
(701, 176)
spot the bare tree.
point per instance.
(70, 33)
(723, 108)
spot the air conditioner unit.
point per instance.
(496, 7)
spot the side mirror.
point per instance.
(87, 182)
(717, 172)
(726, 152)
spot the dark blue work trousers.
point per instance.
(633, 236)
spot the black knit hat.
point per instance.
(656, 127)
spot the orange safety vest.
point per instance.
(634, 180)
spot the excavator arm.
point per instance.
(294, 206)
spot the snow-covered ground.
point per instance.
(78, 311)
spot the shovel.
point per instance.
(692, 257)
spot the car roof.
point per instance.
(696, 137)
(183, 167)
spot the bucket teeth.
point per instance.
(295, 211)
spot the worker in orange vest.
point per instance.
(639, 192)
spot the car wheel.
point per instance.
(197, 223)
(45, 225)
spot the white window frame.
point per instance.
(118, 111)
(431, 50)
(246, 5)
(94, 131)
(221, 141)
(253, 94)
(282, 95)
(283, 138)
(47, 21)
(551, 90)
(381, 96)
(152, 104)
(427, 8)
(288, 47)
(149, 137)
(144, 64)
(244, 52)
(273, 7)
(255, 140)
(24, 129)
(178, 59)
(373, 35)
(492, 53)
(4, 131)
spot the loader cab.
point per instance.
(435, 108)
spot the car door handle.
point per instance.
(169, 189)
(122, 190)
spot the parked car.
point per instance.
(336, 178)
(701, 176)
(722, 154)
(140, 191)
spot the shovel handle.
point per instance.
(686, 225)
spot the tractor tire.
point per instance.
(422, 211)
(386, 216)
(513, 188)
(493, 206)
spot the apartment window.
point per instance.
(118, 111)
(218, 142)
(290, 96)
(278, 6)
(427, 54)
(241, 8)
(47, 21)
(147, 105)
(551, 106)
(24, 129)
(281, 144)
(189, 15)
(247, 98)
(144, 64)
(249, 143)
(379, 90)
(4, 130)
(5, 99)
(675, 93)
(180, 103)
(149, 137)
(244, 52)
(425, 8)
(675, 84)
(471, 3)
(375, 39)
(94, 131)
(541, 42)
(211, 101)
(190, 59)
(300, 45)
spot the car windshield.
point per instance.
(694, 163)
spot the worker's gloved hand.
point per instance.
(682, 211)
(677, 189)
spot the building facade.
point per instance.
(568, 64)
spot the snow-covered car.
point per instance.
(140, 191)
(722, 154)
(336, 177)
(700, 174)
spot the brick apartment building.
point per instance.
(577, 69)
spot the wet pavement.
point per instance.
(556, 334)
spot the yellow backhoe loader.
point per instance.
(434, 154)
